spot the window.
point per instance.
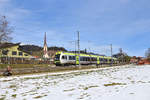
(20, 53)
(94, 59)
(84, 58)
(101, 59)
(110, 60)
(64, 57)
(81, 59)
(14, 52)
(71, 57)
(105, 60)
(5, 52)
(25, 54)
(88, 59)
(57, 57)
(74, 58)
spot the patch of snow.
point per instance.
(116, 83)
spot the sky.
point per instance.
(123, 23)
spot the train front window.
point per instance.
(64, 57)
(57, 57)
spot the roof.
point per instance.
(7, 45)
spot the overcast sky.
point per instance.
(123, 23)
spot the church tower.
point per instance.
(45, 48)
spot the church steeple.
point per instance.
(45, 44)
(45, 48)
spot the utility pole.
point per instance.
(79, 46)
(111, 53)
(75, 52)
(111, 49)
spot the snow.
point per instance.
(128, 82)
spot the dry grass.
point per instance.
(37, 97)
(83, 96)
(14, 95)
(12, 86)
(41, 68)
(69, 90)
(113, 84)
(3, 98)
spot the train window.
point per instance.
(105, 60)
(71, 57)
(91, 59)
(57, 57)
(88, 59)
(95, 59)
(101, 59)
(84, 58)
(64, 57)
(81, 58)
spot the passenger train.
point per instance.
(68, 58)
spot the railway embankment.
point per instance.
(20, 69)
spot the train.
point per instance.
(69, 58)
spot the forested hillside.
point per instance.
(37, 50)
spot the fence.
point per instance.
(12, 60)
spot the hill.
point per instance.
(38, 51)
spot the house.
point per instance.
(144, 61)
(10, 53)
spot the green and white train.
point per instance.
(67, 58)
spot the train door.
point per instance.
(98, 61)
(77, 60)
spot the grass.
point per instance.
(3, 98)
(37, 97)
(6, 80)
(94, 86)
(113, 84)
(3, 66)
(14, 95)
(18, 69)
(12, 86)
(69, 90)
(83, 96)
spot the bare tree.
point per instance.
(147, 53)
(5, 30)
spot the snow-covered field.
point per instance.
(119, 83)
